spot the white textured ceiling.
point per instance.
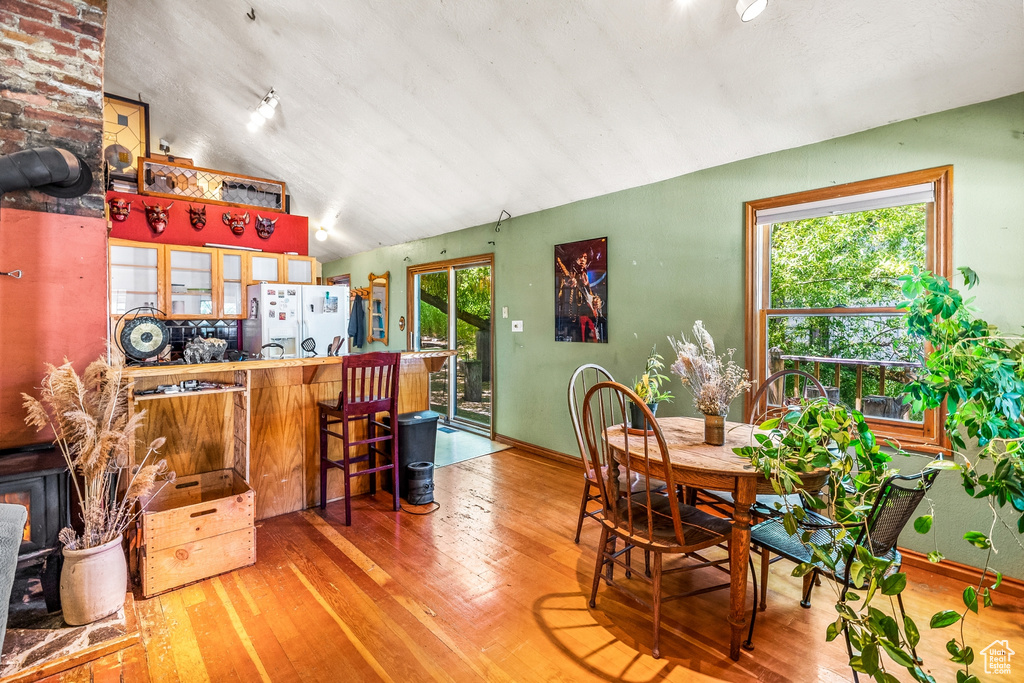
(407, 118)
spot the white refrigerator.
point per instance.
(324, 316)
(289, 314)
(273, 319)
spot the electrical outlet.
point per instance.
(504, 311)
(517, 325)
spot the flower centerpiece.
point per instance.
(93, 431)
(648, 387)
(715, 380)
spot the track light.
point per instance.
(320, 234)
(264, 111)
(748, 9)
(269, 104)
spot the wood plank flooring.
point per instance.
(489, 588)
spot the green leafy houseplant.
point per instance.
(976, 374)
(648, 385)
(808, 438)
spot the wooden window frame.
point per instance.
(929, 436)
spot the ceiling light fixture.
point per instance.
(747, 9)
(269, 104)
(264, 111)
(320, 234)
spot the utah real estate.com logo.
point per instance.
(997, 657)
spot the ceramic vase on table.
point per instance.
(714, 430)
(93, 582)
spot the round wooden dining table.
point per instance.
(696, 464)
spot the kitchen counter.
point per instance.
(434, 359)
(263, 422)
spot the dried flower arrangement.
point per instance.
(714, 380)
(89, 418)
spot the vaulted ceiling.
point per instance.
(401, 120)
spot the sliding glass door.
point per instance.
(431, 331)
(452, 302)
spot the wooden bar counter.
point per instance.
(265, 425)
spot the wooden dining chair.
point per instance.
(653, 521)
(582, 380)
(772, 398)
(369, 387)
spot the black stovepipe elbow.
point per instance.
(52, 170)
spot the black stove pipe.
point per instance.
(55, 171)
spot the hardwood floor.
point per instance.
(490, 587)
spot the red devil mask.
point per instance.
(236, 222)
(265, 226)
(197, 217)
(119, 209)
(156, 216)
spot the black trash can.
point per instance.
(420, 483)
(417, 437)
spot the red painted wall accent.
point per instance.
(291, 233)
(57, 309)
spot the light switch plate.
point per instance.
(517, 325)
(504, 311)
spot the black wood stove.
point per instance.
(37, 477)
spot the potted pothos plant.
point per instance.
(974, 371)
(647, 387)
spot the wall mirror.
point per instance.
(378, 322)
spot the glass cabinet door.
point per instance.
(191, 282)
(134, 277)
(265, 268)
(232, 285)
(300, 270)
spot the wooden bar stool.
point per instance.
(369, 386)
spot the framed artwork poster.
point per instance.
(581, 291)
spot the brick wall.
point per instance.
(51, 90)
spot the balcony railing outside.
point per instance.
(877, 384)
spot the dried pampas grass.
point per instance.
(91, 426)
(715, 380)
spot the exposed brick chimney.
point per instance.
(51, 90)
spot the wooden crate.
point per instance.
(197, 527)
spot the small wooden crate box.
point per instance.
(197, 527)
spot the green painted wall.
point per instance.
(676, 253)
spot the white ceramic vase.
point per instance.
(93, 582)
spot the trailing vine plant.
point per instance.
(975, 373)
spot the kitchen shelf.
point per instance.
(197, 392)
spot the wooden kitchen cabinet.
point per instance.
(266, 268)
(234, 276)
(299, 270)
(195, 282)
(189, 282)
(134, 276)
(282, 269)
